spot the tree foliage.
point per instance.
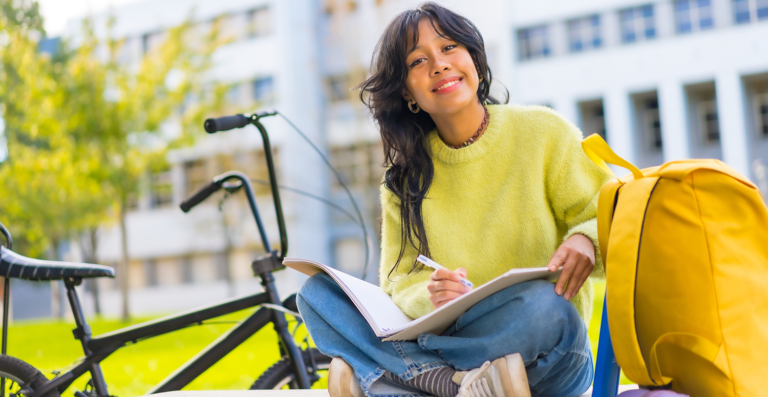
(84, 125)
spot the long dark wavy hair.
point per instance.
(403, 133)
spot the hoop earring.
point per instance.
(416, 110)
(481, 78)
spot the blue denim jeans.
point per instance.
(527, 318)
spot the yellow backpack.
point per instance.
(686, 251)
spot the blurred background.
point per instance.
(103, 103)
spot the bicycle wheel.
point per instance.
(21, 378)
(280, 375)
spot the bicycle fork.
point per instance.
(287, 343)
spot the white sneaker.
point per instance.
(504, 377)
(342, 381)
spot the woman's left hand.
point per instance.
(577, 257)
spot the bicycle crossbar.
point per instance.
(174, 322)
(214, 352)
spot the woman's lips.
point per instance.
(448, 86)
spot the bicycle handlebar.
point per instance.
(226, 123)
(200, 195)
(214, 125)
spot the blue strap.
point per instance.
(607, 371)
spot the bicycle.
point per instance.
(298, 367)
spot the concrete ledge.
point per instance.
(289, 393)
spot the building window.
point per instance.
(151, 41)
(259, 22)
(741, 11)
(234, 94)
(762, 9)
(584, 33)
(533, 42)
(744, 9)
(652, 123)
(233, 26)
(637, 24)
(693, 15)
(150, 272)
(263, 90)
(592, 118)
(761, 114)
(338, 87)
(195, 175)
(709, 128)
(185, 265)
(160, 190)
(359, 164)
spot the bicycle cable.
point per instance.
(367, 238)
(312, 196)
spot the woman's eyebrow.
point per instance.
(439, 37)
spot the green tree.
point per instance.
(84, 126)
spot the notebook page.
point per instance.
(372, 302)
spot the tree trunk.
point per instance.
(90, 257)
(123, 271)
(227, 255)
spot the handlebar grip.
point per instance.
(199, 196)
(226, 123)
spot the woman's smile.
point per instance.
(448, 85)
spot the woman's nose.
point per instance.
(440, 65)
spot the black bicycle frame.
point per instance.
(100, 347)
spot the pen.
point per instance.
(429, 262)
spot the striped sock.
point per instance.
(437, 382)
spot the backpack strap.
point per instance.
(620, 227)
(623, 255)
(599, 152)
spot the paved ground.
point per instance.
(284, 393)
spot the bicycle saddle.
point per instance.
(16, 266)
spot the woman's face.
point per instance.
(442, 77)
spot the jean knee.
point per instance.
(548, 309)
(315, 290)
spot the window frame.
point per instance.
(587, 27)
(525, 39)
(644, 24)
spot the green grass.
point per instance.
(135, 369)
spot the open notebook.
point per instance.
(390, 323)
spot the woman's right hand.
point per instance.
(444, 286)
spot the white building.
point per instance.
(661, 80)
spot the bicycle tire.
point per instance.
(280, 374)
(22, 374)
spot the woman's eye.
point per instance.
(416, 62)
(450, 47)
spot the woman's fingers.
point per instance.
(582, 271)
(569, 265)
(444, 286)
(440, 298)
(557, 259)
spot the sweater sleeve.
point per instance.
(407, 288)
(573, 184)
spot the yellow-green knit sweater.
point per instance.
(506, 201)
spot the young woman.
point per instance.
(480, 188)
